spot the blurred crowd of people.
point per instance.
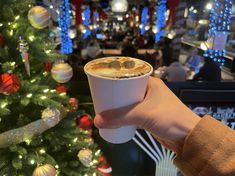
(194, 67)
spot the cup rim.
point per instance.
(123, 79)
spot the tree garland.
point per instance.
(50, 118)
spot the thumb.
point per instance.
(116, 118)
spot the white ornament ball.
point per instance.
(62, 72)
(85, 156)
(51, 116)
(39, 17)
(45, 170)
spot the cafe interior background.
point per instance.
(46, 110)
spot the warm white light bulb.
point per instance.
(43, 97)
(3, 105)
(32, 161)
(33, 80)
(52, 90)
(63, 94)
(209, 6)
(29, 95)
(46, 90)
(14, 26)
(97, 152)
(17, 17)
(75, 139)
(31, 38)
(119, 5)
(42, 151)
(12, 63)
(11, 32)
(47, 51)
(27, 141)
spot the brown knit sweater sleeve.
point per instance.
(209, 150)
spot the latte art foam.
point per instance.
(118, 67)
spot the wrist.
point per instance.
(183, 127)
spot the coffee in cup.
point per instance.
(117, 82)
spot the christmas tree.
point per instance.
(41, 130)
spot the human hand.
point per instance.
(161, 113)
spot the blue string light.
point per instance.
(144, 20)
(86, 22)
(64, 24)
(95, 20)
(161, 21)
(96, 16)
(219, 22)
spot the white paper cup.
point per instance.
(108, 93)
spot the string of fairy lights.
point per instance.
(64, 24)
(86, 22)
(219, 22)
(144, 20)
(161, 19)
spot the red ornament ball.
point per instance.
(9, 83)
(102, 159)
(84, 122)
(47, 66)
(105, 170)
(73, 104)
(2, 42)
(61, 88)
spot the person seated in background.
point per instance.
(166, 51)
(128, 49)
(93, 49)
(150, 39)
(158, 56)
(209, 72)
(193, 61)
(175, 72)
(140, 41)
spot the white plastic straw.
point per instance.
(145, 149)
(154, 144)
(163, 160)
(147, 145)
(163, 151)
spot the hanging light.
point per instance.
(209, 6)
(119, 6)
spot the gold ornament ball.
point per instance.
(62, 72)
(45, 170)
(39, 17)
(85, 156)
